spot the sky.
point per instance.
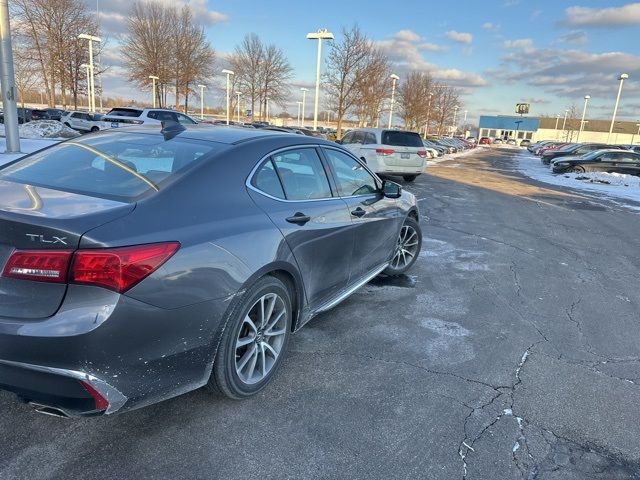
(498, 52)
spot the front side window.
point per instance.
(302, 174)
(184, 120)
(352, 178)
(348, 138)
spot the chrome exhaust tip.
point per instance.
(47, 410)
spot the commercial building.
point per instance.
(551, 128)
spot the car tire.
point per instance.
(94, 129)
(409, 178)
(407, 248)
(242, 367)
(578, 169)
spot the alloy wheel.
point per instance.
(406, 248)
(260, 338)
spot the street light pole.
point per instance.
(564, 122)
(153, 88)
(455, 115)
(426, 125)
(321, 34)
(228, 73)
(87, 70)
(8, 82)
(622, 78)
(202, 87)
(394, 78)
(304, 95)
(298, 117)
(238, 94)
(584, 112)
(92, 88)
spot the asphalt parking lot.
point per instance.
(512, 350)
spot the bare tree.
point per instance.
(413, 99)
(49, 30)
(246, 62)
(373, 87)
(275, 74)
(346, 64)
(165, 42)
(443, 104)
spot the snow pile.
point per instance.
(614, 185)
(46, 129)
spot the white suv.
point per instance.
(388, 152)
(127, 116)
(84, 122)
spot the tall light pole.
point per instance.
(238, 94)
(426, 124)
(87, 70)
(153, 88)
(298, 117)
(8, 81)
(622, 78)
(228, 73)
(267, 107)
(455, 115)
(584, 112)
(564, 122)
(202, 87)
(394, 78)
(304, 95)
(92, 88)
(321, 34)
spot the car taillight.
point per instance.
(101, 402)
(385, 151)
(38, 265)
(119, 269)
(422, 153)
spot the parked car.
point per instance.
(511, 141)
(551, 146)
(53, 113)
(128, 284)
(388, 152)
(127, 116)
(611, 161)
(84, 122)
(525, 143)
(497, 141)
(438, 148)
(431, 152)
(573, 149)
(485, 141)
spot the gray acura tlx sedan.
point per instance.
(143, 263)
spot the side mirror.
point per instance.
(339, 142)
(391, 189)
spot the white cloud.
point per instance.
(524, 44)
(511, 3)
(431, 47)
(407, 36)
(603, 17)
(460, 37)
(492, 27)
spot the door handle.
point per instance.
(298, 218)
(358, 212)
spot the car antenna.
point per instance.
(171, 128)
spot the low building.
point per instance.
(554, 128)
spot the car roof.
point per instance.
(221, 134)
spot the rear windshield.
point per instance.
(119, 166)
(401, 139)
(125, 112)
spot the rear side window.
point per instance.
(121, 166)
(302, 174)
(401, 139)
(125, 112)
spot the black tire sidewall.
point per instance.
(409, 178)
(416, 226)
(224, 371)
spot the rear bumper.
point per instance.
(131, 353)
(58, 388)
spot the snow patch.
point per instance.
(615, 185)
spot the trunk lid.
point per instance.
(37, 218)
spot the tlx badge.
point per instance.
(42, 239)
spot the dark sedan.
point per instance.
(140, 264)
(574, 150)
(610, 161)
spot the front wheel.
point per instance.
(407, 248)
(254, 340)
(94, 129)
(409, 178)
(578, 169)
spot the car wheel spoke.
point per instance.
(248, 355)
